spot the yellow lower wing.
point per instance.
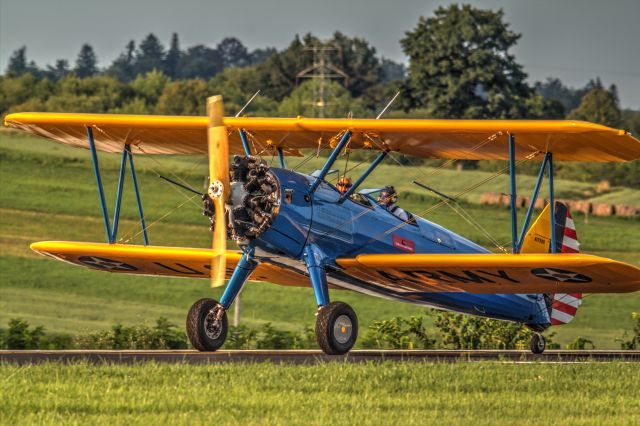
(152, 260)
(495, 273)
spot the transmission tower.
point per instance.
(321, 71)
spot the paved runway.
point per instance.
(310, 356)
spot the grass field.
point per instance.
(48, 193)
(484, 393)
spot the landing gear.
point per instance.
(336, 328)
(537, 344)
(207, 325)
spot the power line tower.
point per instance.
(321, 71)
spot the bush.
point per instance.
(240, 337)
(468, 332)
(580, 343)
(634, 342)
(163, 336)
(18, 336)
(398, 333)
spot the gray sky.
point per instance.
(574, 40)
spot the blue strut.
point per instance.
(245, 143)
(96, 171)
(134, 178)
(281, 158)
(317, 274)
(361, 179)
(534, 197)
(243, 270)
(116, 214)
(330, 160)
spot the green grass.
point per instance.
(368, 394)
(48, 193)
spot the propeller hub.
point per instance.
(216, 189)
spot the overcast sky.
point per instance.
(574, 40)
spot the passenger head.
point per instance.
(387, 196)
(344, 183)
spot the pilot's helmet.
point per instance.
(388, 195)
(344, 183)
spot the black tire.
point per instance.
(336, 328)
(198, 321)
(538, 344)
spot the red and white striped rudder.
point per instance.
(565, 306)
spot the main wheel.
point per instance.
(538, 344)
(205, 332)
(336, 328)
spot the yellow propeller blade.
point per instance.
(218, 185)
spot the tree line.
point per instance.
(459, 66)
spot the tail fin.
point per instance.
(562, 306)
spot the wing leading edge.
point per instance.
(495, 273)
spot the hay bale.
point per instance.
(604, 209)
(626, 210)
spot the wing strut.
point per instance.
(126, 154)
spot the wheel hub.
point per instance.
(212, 326)
(342, 329)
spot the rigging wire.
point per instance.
(122, 239)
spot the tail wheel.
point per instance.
(206, 332)
(538, 344)
(336, 328)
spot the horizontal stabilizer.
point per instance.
(495, 273)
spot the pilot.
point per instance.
(344, 183)
(387, 199)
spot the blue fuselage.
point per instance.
(360, 226)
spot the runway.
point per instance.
(309, 356)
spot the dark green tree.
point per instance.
(200, 62)
(359, 61)
(18, 64)
(278, 73)
(599, 106)
(86, 63)
(59, 70)
(233, 53)
(392, 71)
(150, 55)
(259, 56)
(172, 60)
(460, 66)
(123, 67)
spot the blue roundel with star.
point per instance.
(562, 275)
(106, 264)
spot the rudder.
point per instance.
(562, 306)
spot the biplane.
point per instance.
(295, 229)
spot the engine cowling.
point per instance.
(253, 202)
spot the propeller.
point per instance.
(218, 144)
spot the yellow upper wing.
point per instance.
(456, 139)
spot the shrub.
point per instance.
(398, 333)
(580, 343)
(468, 332)
(163, 336)
(633, 342)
